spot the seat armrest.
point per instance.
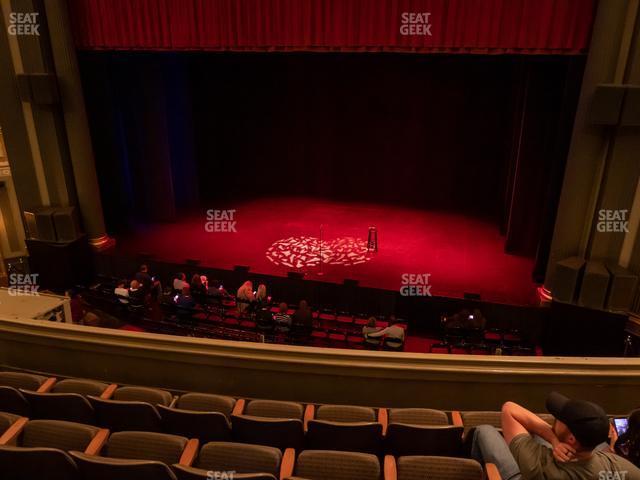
(390, 470)
(174, 400)
(190, 451)
(10, 436)
(109, 391)
(492, 472)
(96, 444)
(47, 385)
(383, 419)
(288, 463)
(309, 414)
(456, 418)
(238, 408)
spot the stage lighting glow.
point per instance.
(306, 252)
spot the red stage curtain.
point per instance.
(457, 26)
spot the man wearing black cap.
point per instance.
(574, 448)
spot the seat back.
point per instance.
(120, 415)
(403, 439)
(273, 432)
(17, 380)
(240, 458)
(274, 409)
(363, 437)
(345, 413)
(80, 386)
(154, 396)
(18, 463)
(12, 401)
(205, 426)
(443, 468)
(323, 464)
(418, 416)
(101, 468)
(473, 419)
(6, 420)
(205, 402)
(190, 473)
(57, 434)
(152, 446)
(60, 406)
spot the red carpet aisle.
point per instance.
(461, 254)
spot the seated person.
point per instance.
(261, 295)
(143, 277)
(627, 445)
(371, 327)
(179, 282)
(184, 299)
(136, 294)
(573, 449)
(215, 289)
(302, 320)
(245, 296)
(282, 320)
(122, 293)
(197, 288)
(264, 320)
(156, 290)
(394, 335)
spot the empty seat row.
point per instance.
(59, 450)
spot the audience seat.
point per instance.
(205, 426)
(137, 456)
(131, 408)
(60, 406)
(274, 409)
(442, 468)
(37, 449)
(26, 381)
(6, 420)
(324, 465)
(418, 416)
(257, 462)
(206, 402)
(12, 401)
(403, 439)
(84, 387)
(274, 432)
(344, 427)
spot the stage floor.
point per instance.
(277, 235)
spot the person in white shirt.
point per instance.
(394, 335)
(122, 293)
(180, 282)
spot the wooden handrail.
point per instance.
(492, 472)
(96, 444)
(390, 470)
(238, 408)
(10, 436)
(288, 463)
(309, 414)
(47, 385)
(383, 418)
(109, 391)
(190, 451)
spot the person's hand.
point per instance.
(563, 452)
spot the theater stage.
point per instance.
(276, 235)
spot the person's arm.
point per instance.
(379, 333)
(517, 420)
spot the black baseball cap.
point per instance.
(587, 421)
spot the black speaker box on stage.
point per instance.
(67, 224)
(567, 278)
(622, 288)
(595, 284)
(60, 265)
(40, 224)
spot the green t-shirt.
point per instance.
(537, 462)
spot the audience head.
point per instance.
(628, 444)
(578, 423)
(144, 268)
(195, 280)
(371, 322)
(303, 305)
(181, 276)
(134, 285)
(262, 291)
(204, 281)
(121, 283)
(283, 307)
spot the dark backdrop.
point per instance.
(477, 134)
